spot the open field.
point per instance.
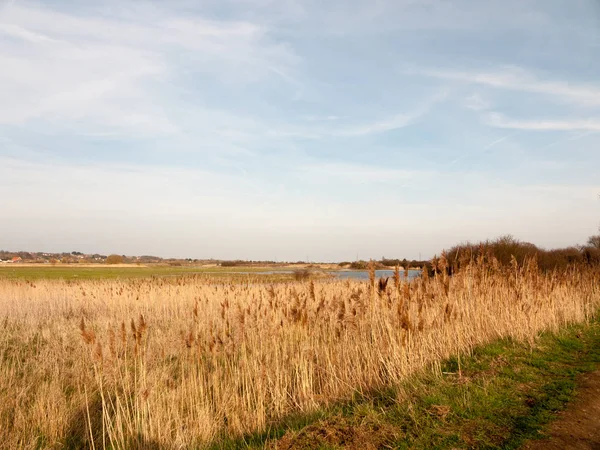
(120, 271)
(180, 362)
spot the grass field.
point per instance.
(187, 362)
(99, 272)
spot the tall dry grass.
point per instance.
(177, 363)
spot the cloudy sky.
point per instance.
(289, 129)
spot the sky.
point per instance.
(297, 130)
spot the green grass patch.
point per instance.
(75, 272)
(500, 396)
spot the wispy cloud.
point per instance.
(365, 174)
(388, 124)
(519, 79)
(484, 150)
(570, 139)
(476, 103)
(500, 121)
(498, 141)
(119, 75)
(16, 31)
(393, 122)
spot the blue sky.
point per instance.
(297, 129)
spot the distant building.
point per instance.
(16, 259)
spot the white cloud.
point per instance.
(394, 122)
(16, 31)
(500, 121)
(476, 102)
(388, 124)
(518, 79)
(112, 75)
(571, 138)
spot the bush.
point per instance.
(506, 247)
(114, 259)
(594, 241)
(591, 255)
(359, 265)
(393, 262)
(301, 274)
(229, 263)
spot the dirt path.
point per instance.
(577, 427)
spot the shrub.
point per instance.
(301, 274)
(229, 263)
(114, 259)
(594, 241)
(504, 248)
(392, 262)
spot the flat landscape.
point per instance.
(193, 361)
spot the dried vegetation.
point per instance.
(178, 363)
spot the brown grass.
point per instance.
(177, 363)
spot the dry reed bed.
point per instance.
(178, 362)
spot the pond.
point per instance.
(364, 274)
(347, 274)
(338, 274)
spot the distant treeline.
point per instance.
(383, 263)
(507, 250)
(77, 257)
(242, 262)
(502, 250)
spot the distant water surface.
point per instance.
(364, 274)
(339, 274)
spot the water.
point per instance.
(345, 274)
(364, 274)
(338, 274)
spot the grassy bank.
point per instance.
(498, 397)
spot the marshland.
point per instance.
(189, 361)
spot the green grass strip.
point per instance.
(74, 272)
